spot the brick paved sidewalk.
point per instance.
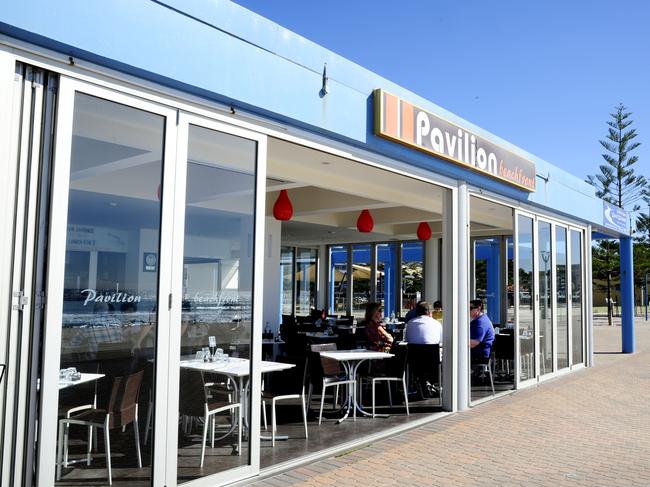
(591, 428)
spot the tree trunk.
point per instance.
(609, 298)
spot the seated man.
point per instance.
(423, 329)
(481, 333)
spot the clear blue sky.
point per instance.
(544, 75)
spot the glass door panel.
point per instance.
(338, 302)
(412, 274)
(561, 296)
(576, 297)
(361, 278)
(110, 293)
(306, 275)
(544, 267)
(217, 304)
(286, 280)
(526, 308)
(385, 280)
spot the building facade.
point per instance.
(149, 150)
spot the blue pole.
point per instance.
(627, 295)
(645, 287)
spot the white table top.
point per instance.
(343, 355)
(63, 384)
(235, 367)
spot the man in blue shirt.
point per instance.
(481, 333)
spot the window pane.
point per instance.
(217, 299)
(576, 295)
(286, 273)
(110, 288)
(386, 275)
(306, 274)
(361, 272)
(562, 303)
(526, 298)
(338, 279)
(412, 274)
(545, 265)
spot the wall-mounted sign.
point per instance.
(149, 262)
(403, 122)
(615, 218)
(88, 238)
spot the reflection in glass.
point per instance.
(286, 279)
(562, 303)
(306, 274)
(526, 298)
(576, 295)
(385, 279)
(110, 293)
(338, 279)
(412, 274)
(217, 302)
(361, 272)
(545, 264)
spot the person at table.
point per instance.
(481, 333)
(379, 339)
(436, 314)
(412, 312)
(423, 329)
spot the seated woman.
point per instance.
(379, 339)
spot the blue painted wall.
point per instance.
(222, 51)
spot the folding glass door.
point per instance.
(151, 261)
(215, 349)
(549, 307)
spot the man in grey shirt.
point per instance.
(423, 329)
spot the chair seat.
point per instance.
(212, 405)
(95, 416)
(334, 378)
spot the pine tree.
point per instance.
(617, 184)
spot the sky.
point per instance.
(544, 75)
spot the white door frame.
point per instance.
(173, 355)
(56, 269)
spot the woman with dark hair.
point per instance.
(380, 340)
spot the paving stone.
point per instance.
(589, 428)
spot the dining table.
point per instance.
(350, 360)
(237, 369)
(85, 377)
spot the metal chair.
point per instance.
(395, 372)
(329, 373)
(424, 365)
(483, 368)
(292, 380)
(199, 399)
(120, 411)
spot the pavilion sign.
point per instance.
(403, 122)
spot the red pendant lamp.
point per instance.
(282, 209)
(365, 223)
(424, 231)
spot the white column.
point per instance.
(462, 297)
(272, 310)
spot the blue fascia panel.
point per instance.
(222, 51)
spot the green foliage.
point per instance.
(617, 183)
